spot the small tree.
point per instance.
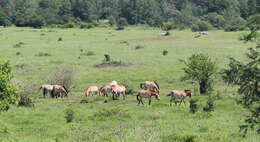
(8, 92)
(201, 69)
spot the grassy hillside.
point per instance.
(118, 120)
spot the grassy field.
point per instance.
(118, 120)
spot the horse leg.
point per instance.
(142, 101)
(137, 98)
(150, 100)
(171, 101)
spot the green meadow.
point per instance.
(36, 53)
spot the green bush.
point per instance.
(168, 26)
(69, 25)
(209, 105)
(200, 26)
(193, 105)
(165, 52)
(8, 93)
(4, 20)
(25, 101)
(69, 115)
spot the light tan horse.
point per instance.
(46, 89)
(92, 90)
(119, 90)
(179, 94)
(147, 94)
(59, 91)
(113, 84)
(150, 85)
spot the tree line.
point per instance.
(205, 14)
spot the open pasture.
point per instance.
(36, 53)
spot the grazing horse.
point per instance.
(179, 94)
(118, 90)
(105, 90)
(147, 94)
(150, 85)
(113, 84)
(59, 91)
(92, 90)
(46, 89)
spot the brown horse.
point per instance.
(150, 85)
(179, 94)
(118, 90)
(105, 90)
(93, 90)
(147, 94)
(46, 89)
(59, 91)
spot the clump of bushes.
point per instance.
(233, 28)
(18, 53)
(209, 107)
(84, 101)
(139, 47)
(165, 52)
(193, 105)
(25, 101)
(200, 26)
(43, 54)
(18, 45)
(60, 39)
(122, 22)
(69, 115)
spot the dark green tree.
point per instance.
(200, 68)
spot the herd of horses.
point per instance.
(148, 90)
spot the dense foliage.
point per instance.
(182, 13)
(246, 76)
(201, 69)
(8, 93)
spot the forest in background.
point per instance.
(230, 15)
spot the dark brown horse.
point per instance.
(59, 91)
(147, 94)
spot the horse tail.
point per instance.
(141, 85)
(157, 85)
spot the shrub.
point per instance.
(111, 20)
(18, 45)
(36, 21)
(122, 22)
(202, 69)
(139, 47)
(25, 101)
(69, 25)
(209, 105)
(200, 26)
(165, 52)
(69, 115)
(107, 58)
(193, 105)
(43, 54)
(168, 26)
(233, 28)
(18, 53)
(84, 101)
(8, 93)
(62, 76)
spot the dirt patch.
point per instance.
(112, 64)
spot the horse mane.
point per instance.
(157, 84)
